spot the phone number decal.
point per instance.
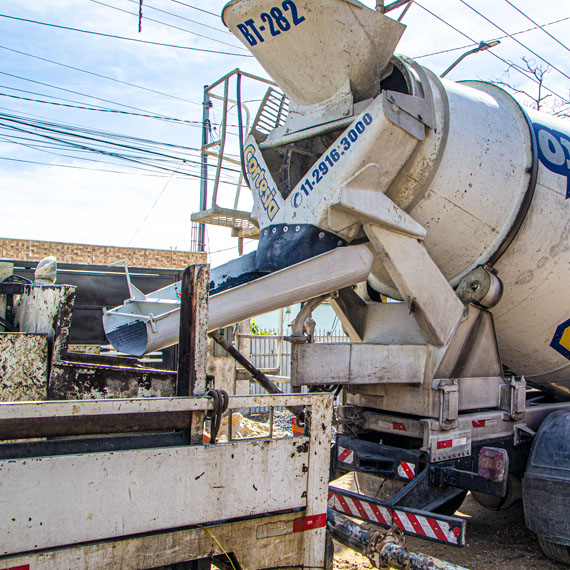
(274, 22)
(331, 159)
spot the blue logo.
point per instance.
(554, 151)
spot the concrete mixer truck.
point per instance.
(451, 200)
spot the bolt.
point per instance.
(321, 235)
(285, 228)
(273, 230)
(297, 228)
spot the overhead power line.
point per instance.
(514, 39)
(141, 151)
(50, 85)
(136, 40)
(136, 14)
(538, 25)
(75, 167)
(170, 119)
(147, 5)
(195, 8)
(81, 70)
(491, 52)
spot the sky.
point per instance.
(147, 97)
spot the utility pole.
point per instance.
(206, 104)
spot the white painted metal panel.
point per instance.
(52, 501)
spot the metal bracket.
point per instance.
(409, 112)
(449, 403)
(513, 398)
(135, 293)
(523, 434)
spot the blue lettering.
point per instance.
(554, 151)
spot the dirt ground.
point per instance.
(495, 540)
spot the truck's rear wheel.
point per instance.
(513, 494)
(554, 551)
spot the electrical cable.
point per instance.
(538, 25)
(99, 75)
(43, 148)
(99, 139)
(14, 119)
(515, 39)
(118, 111)
(147, 5)
(187, 160)
(93, 33)
(80, 93)
(151, 209)
(195, 8)
(80, 167)
(169, 25)
(93, 105)
(98, 151)
(508, 63)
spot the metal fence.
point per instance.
(272, 355)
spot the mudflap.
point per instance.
(546, 483)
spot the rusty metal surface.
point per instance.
(193, 331)
(38, 308)
(52, 418)
(80, 381)
(23, 367)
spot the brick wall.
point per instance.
(30, 250)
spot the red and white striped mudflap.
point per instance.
(406, 470)
(345, 455)
(439, 528)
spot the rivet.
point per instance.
(321, 235)
(264, 232)
(339, 242)
(285, 228)
(273, 230)
(297, 228)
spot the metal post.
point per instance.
(192, 347)
(256, 374)
(193, 327)
(481, 47)
(206, 104)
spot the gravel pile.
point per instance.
(282, 421)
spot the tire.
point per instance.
(514, 494)
(555, 551)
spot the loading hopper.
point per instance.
(311, 48)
